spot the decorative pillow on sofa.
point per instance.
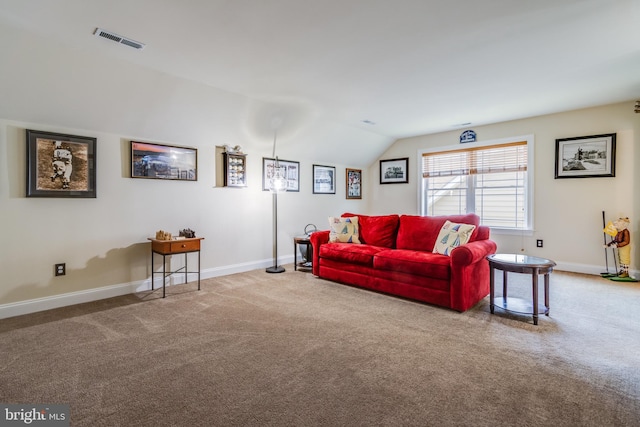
(343, 230)
(451, 236)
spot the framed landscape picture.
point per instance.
(354, 183)
(324, 179)
(291, 173)
(394, 171)
(60, 165)
(158, 161)
(586, 156)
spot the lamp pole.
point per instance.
(276, 185)
(275, 268)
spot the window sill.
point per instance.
(512, 231)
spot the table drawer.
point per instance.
(168, 247)
(185, 246)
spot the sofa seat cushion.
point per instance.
(418, 263)
(419, 233)
(342, 268)
(436, 291)
(348, 252)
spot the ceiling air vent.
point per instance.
(118, 39)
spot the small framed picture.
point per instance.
(159, 161)
(586, 156)
(394, 171)
(291, 173)
(354, 183)
(60, 165)
(324, 179)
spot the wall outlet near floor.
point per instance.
(61, 269)
(539, 243)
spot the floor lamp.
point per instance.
(277, 184)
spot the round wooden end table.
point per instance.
(306, 264)
(520, 264)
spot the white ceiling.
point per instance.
(410, 66)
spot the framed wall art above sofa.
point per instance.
(324, 179)
(354, 183)
(394, 171)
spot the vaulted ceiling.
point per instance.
(394, 67)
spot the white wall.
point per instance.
(568, 212)
(49, 87)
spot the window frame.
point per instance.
(529, 186)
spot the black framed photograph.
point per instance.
(60, 165)
(291, 171)
(394, 171)
(586, 156)
(324, 179)
(354, 183)
(159, 161)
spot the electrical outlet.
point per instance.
(61, 269)
(539, 243)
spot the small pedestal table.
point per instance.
(520, 264)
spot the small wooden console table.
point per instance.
(174, 247)
(520, 264)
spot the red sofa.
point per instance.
(395, 257)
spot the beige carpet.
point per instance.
(256, 349)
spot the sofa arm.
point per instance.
(317, 239)
(473, 252)
(470, 273)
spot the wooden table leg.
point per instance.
(152, 270)
(491, 288)
(186, 269)
(309, 257)
(504, 288)
(546, 293)
(535, 297)
(504, 284)
(164, 275)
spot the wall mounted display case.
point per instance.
(235, 170)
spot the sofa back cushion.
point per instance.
(484, 233)
(378, 230)
(419, 233)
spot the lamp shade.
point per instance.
(278, 183)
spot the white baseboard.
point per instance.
(589, 269)
(56, 301)
(79, 297)
(63, 300)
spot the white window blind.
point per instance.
(490, 181)
(511, 157)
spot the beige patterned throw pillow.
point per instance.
(343, 230)
(451, 236)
